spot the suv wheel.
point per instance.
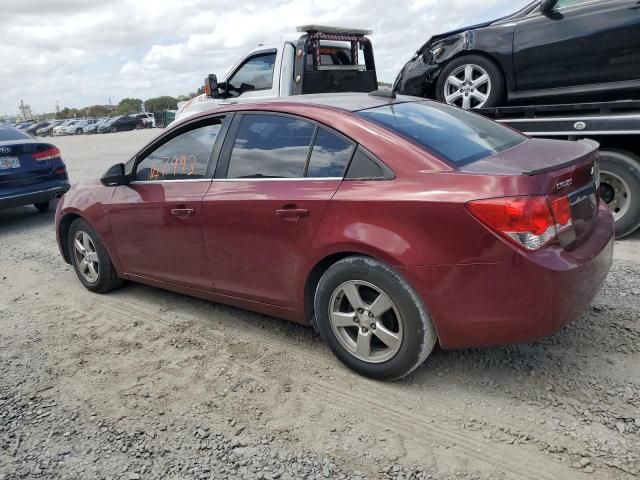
(372, 319)
(471, 81)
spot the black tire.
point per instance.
(114, 129)
(78, 131)
(419, 336)
(43, 207)
(496, 78)
(107, 279)
(624, 166)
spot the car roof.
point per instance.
(350, 102)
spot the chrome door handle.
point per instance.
(292, 214)
(182, 213)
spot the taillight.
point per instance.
(49, 154)
(561, 209)
(529, 222)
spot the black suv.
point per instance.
(576, 49)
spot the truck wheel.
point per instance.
(471, 81)
(620, 189)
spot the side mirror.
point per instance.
(546, 6)
(114, 176)
(211, 86)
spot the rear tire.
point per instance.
(456, 85)
(43, 207)
(78, 131)
(389, 335)
(90, 259)
(620, 189)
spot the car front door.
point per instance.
(580, 42)
(274, 180)
(156, 219)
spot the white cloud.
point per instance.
(82, 52)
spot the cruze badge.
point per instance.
(564, 184)
(5, 149)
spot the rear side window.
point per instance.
(270, 146)
(330, 155)
(457, 136)
(9, 133)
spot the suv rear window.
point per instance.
(9, 133)
(457, 136)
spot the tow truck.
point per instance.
(323, 59)
(615, 125)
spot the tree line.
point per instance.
(126, 106)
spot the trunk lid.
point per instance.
(559, 170)
(18, 167)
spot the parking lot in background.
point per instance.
(144, 383)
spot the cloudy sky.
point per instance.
(83, 52)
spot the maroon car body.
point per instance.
(263, 243)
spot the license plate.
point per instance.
(7, 163)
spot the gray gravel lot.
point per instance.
(147, 384)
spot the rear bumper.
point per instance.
(39, 194)
(522, 299)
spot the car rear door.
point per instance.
(580, 42)
(157, 218)
(275, 177)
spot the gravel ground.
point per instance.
(147, 384)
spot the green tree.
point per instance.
(129, 105)
(97, 111)
(159, 104)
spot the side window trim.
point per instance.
(213, 157)
(222, 167)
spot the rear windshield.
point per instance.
(457, 136)
(10, 133)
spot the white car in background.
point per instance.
(78, 128)
(62, 129)
(148, 119)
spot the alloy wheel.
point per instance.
(86, 256)
(468, 86)
(365, 321)
(615, 192)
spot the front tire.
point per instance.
(90, 259)
(114, 129)
(471, 81)
(78, 131)
(372, 319)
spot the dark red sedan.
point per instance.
(388, 223)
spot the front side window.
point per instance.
(184, 157)
(256, 74)
(458, 136)
(270, 146)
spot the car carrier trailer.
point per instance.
(614, 125)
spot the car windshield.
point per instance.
(458, 136)
(9, 133)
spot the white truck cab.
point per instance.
(322, 60)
